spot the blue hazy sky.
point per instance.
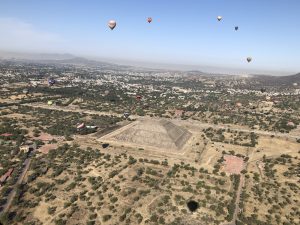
(182, 32)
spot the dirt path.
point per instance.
(12, 194)
(238, 197)
(237, 202)
(199, 157)
(209, 159)
(272, 156)
(66, 109)
(257, 163)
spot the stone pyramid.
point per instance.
(154, 133)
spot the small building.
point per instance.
(290, 124)
(80, 126)
(6, 135)
(91, 127)
(126, 114)
(257, 127)
(178, 113)
(238, 104)
(28, 147)
(25, 148)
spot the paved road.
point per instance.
(12, 194)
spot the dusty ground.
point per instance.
(47, 147)
(233, 164)
(194, 178)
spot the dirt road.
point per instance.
(68, 109)
(237, 202)
(12, 194)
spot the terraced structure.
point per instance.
(152, 133)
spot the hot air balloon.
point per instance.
(138, 97)
(249, 59)
(149, 19)
(112, 24)
(219, 18)
(236, 28)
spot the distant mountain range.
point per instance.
(70, 59)
(75, 61)
(57, 59)
(34, 56)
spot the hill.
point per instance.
(276, 80)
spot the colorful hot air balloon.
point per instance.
(112, 24)
(149, 19)
(219, 18)
(249, 59)
(236, 28)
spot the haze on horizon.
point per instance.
(183, 33)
